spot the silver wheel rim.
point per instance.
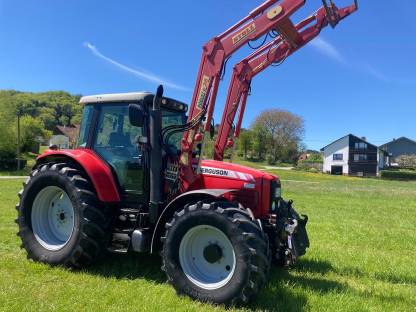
(207, 270)
(52, 218)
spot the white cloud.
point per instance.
(141, 73)
(370, 70)
(328, 49)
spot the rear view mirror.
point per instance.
(136, 115)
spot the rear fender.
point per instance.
(180, 202)
(96, 169)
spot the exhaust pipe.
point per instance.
(155, 129)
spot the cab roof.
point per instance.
(131, 97)
(114, 97)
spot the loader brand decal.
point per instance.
(244, 33)
(203, 91)
(226, 173)
(259, 67)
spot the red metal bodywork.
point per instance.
(276, 51)
(98, 171)
(248, 186)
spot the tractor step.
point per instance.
(120, 243)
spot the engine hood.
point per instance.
(219, 169)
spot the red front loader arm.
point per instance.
(290, 39)
(271, 15)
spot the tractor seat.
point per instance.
(119, 139)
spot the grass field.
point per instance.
(362, 258)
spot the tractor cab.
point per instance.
(106, 128)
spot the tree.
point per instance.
(8, 145)
(284, 132)
(31, 130)
(245, 142)
(406, 161)
(260, 137)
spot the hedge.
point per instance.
(11, 164)
(398, 175)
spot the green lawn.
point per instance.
(362, 258)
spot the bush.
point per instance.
(11, 164)
(398, 175)
(270, 160)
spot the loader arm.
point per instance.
(271, 15)
(291, 39)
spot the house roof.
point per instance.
(348, 135)
(399, 139)
(70, 131)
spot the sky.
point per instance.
(359, 78)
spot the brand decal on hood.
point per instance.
(226, 173)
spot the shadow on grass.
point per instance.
(281, 292)
(130, 266)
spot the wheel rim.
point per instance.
(52, 218)
(207, 257)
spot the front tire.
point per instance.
(215, 253)
(59, 217)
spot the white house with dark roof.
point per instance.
(354, 156)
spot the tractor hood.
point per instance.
(219, 169)
(248, 186)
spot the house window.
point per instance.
(360, 157)
(360, 145)
(338, 156)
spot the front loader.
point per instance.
(137, 183)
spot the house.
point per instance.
(399, 147)
(70, 132)
(304, 156)
(354, 156)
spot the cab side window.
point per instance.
(115, 143)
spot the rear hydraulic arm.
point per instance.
(290, 39)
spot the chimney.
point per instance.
(364, 138)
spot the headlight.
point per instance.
(278, 192)
(275, 195)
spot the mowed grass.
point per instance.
(362, 258)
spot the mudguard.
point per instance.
(180, 202)
(97, 170)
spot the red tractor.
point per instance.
(137, 181)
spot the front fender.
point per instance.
(181, 201)
(97, 170)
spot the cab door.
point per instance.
(115, 143)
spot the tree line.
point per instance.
(274, 136)
(38, 114)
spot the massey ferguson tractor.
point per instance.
(137, 181)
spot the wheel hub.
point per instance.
(207, 257)
(52, 218)
(212, 253)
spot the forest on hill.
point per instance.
(39, 114)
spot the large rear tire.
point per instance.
(59, 217)
(215, 253)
